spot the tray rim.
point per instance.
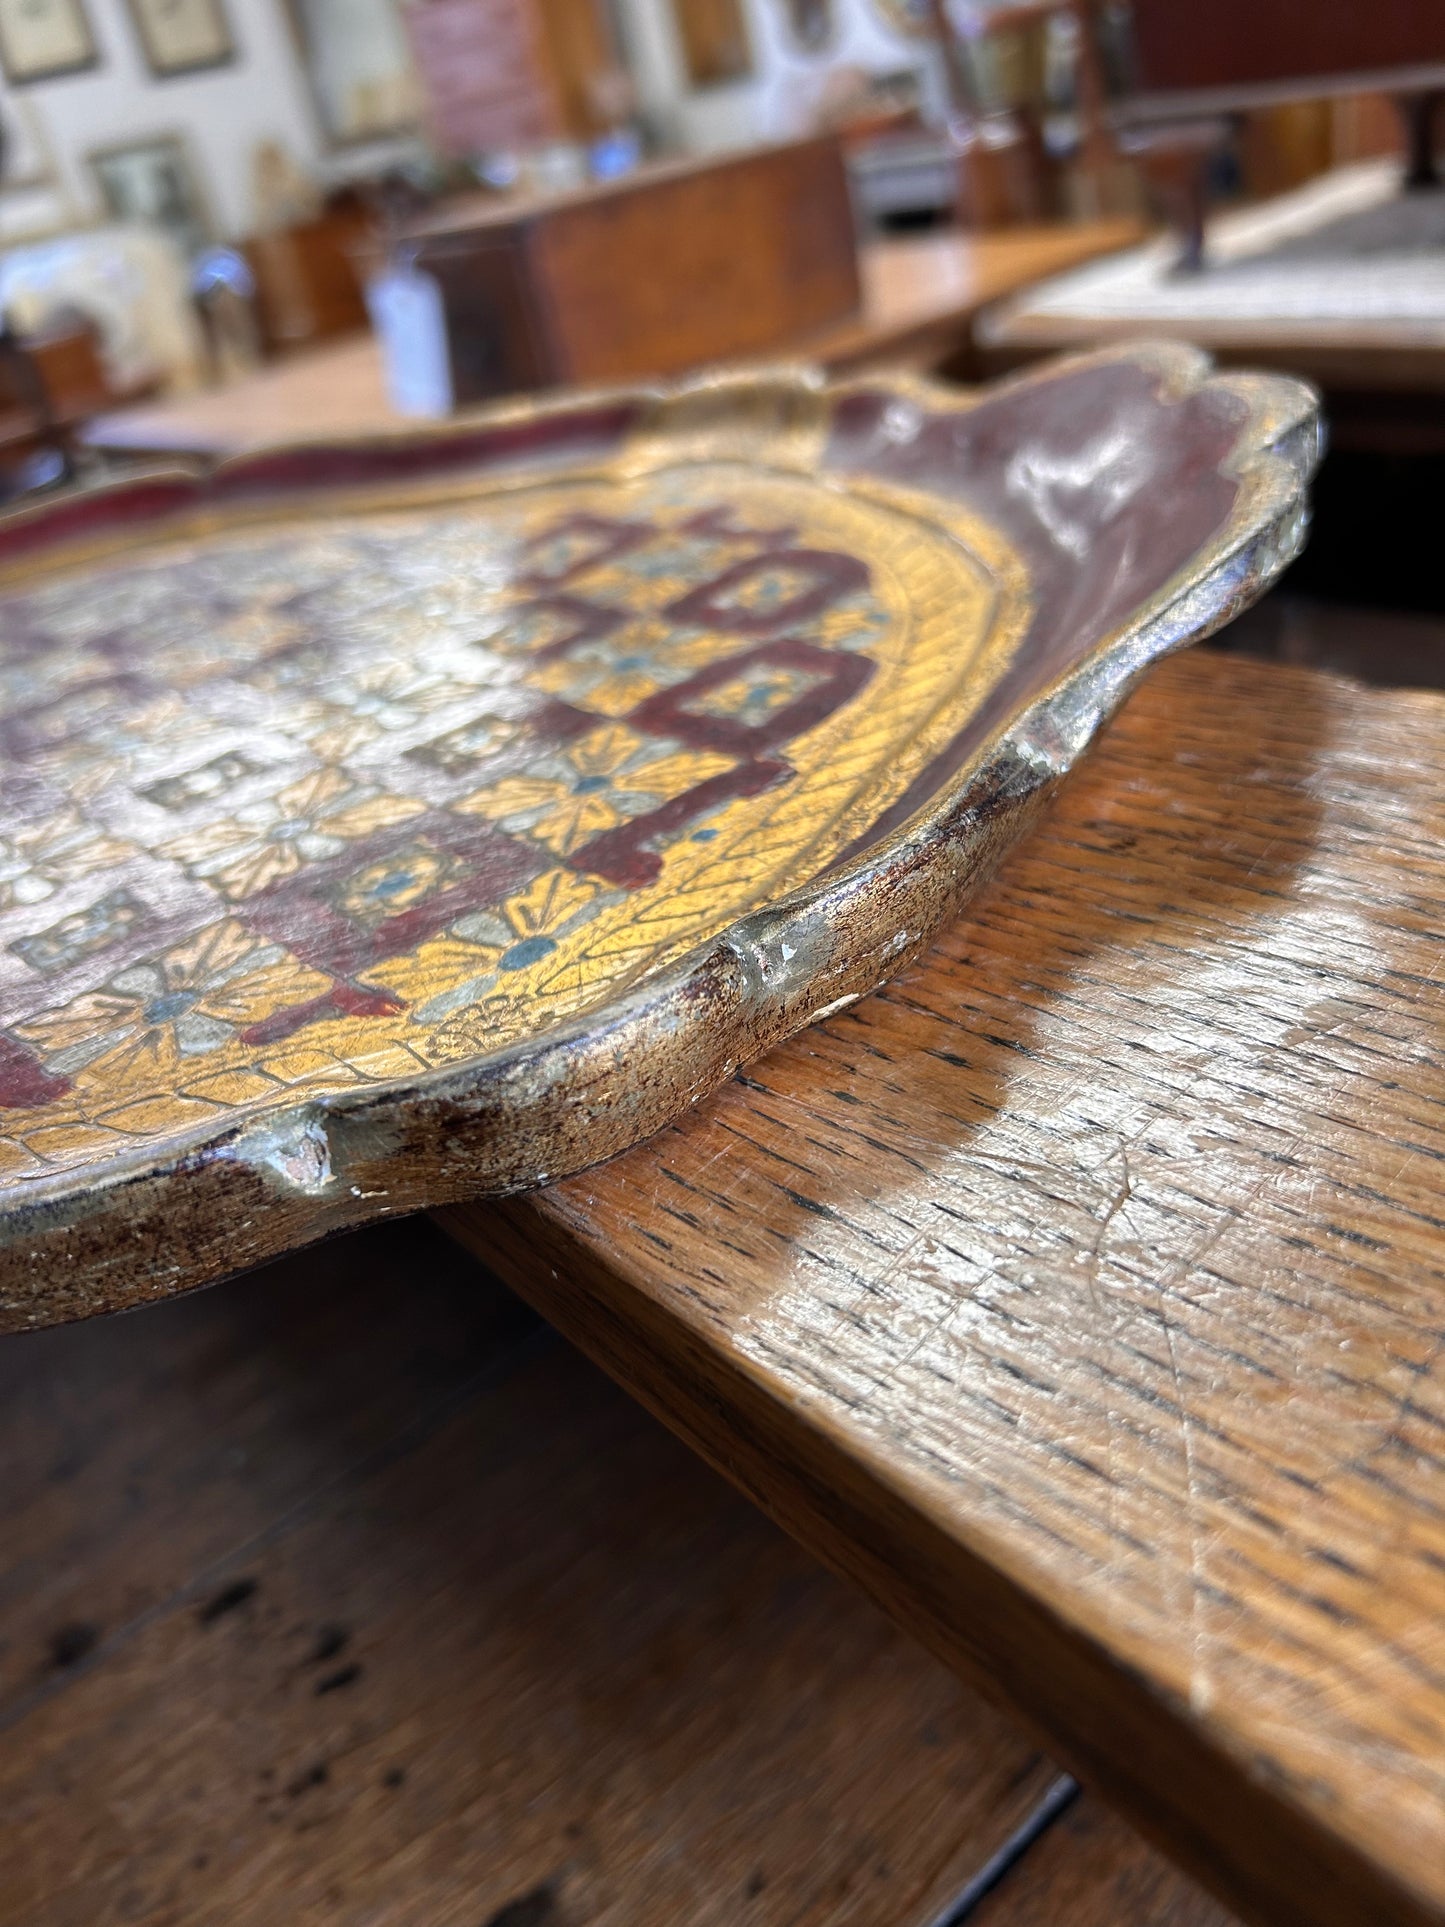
(733, 996)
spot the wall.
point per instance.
(224, 113)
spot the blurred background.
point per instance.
(224, 222)
(228, 221)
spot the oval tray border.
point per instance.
(167, 1218)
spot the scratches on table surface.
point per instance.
(1082, 1292)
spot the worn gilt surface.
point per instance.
(337, 790)
(380, 795)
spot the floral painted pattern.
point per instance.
(266, 842)
(499, 962)
(606, 777)
(382, 792)
(396, 882)
(83, 933)
(382, 697)
(37, 860)
(474, 741)
(186, 1002)
(613, 675)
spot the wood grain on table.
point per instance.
(921, 292)
(1082, 1293)
(919, 296)
(1089, 1870)
(347, 1594)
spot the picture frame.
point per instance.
(182, 36)
(153, 180)
(27, 159)
(357, 59)
(45, 39)
(713, 36)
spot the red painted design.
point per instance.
(717, 524)
(610, 538)
(302, 914)
(832, 575)
(590, 622)
(377, 898)
(24, 1080)
(346, 1000)
(561, 722)
(593, 428)
(623, 856)
(670, 712)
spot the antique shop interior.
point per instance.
(722, 1019)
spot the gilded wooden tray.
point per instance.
(397, 821)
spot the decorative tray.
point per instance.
(398, 821)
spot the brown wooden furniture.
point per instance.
(588, 70)
(1001, 167)
(347, 1593)
(921, 295)
(1172, 79)
(51, 384)
(308, 286)
(68, 361)
(919, 299)
(675, 265)
(1081, 1295)
(1241, 52)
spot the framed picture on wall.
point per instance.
(152, 181)
(182, 36)
(27, 161)
(714, 38)
(358, 63)
(43, 39)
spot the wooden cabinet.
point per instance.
(678, 266)
(308, 287)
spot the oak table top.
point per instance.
(1082, 1294)
(919, 295)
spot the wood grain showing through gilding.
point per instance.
(1082, 1293)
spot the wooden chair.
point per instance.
(51, 384)
(1166, 80)
(1000, 163)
